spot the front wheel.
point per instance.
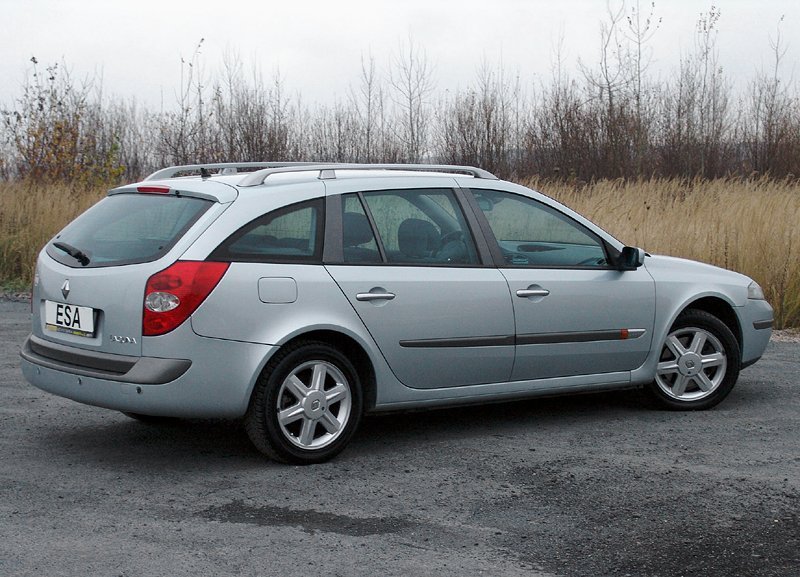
(306, 405)
(699, 363)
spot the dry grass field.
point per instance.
(746, 225)
(750, 226)
(30, 215)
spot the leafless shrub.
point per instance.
(57, 131)
(483, 125)
(609, 121)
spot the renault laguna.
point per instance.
(299, 297)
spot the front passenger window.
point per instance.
(533, 234)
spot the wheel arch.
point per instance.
(350, 348)
(721, 309)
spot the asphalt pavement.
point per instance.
(576, 486)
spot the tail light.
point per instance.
(153, 189)
(173, 294)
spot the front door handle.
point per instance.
(527, 293)
(386, 296)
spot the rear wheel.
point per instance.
(306, 405)
(699, 363)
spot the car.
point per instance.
(301, 296)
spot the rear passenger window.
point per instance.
(358, 239)
(421, 227)
(291, 234)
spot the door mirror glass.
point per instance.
(631, 258)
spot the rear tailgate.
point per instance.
(111, 297)
(91, 277)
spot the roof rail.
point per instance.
(205, 170)
(327, 171)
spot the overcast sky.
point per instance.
(137, 46)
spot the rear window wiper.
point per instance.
(75, 253)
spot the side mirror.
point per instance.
(631, 258)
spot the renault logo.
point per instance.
(65, 289)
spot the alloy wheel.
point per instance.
(692, 364)
(314, 405)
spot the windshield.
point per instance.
(126, 229)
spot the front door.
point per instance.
(575, 314)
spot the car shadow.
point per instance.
(508, 417)
(183, 443)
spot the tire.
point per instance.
(699, 363)
(306, 404)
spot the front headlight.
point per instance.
(755, 292)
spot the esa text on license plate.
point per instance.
(70, 319)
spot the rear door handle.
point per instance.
(387, 296)
(527, 293)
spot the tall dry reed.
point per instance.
(30, 215)
(750, 226)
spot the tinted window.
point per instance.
(358, 240)
(126, 229)
(291, 234)
(421, 227)
(533, 234)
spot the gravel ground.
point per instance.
(786, 336)
(576, 486)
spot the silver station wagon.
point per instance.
(301, 296)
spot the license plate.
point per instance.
(69, 319)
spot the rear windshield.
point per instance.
(126, 229)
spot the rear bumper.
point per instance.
(215, 383)
(134, 370)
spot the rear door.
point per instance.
(440, 317)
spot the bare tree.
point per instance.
(695, 122)
(179, 131)
(772, 121)
(368, 102)
(58, 130)
(412, 83)
(641, 29)
(611, 82)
